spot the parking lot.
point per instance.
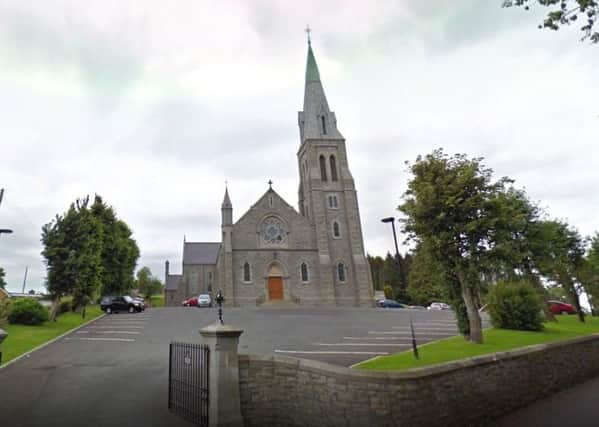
(115, 369)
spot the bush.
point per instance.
(515, 305)
(27, 311)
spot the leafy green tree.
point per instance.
(2, 278)
(376, 270)
(146, 283)
(426, 280)
(119, 250)
(453, 206)
(72, 253)
(562, 259)
(393, 276)
(591, 274)
(566, 12)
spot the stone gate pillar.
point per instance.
(224, 403)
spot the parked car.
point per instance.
(559, 307)
(389, 303)
(204, 300)
(114, 304)
(417, 307)
(439, 306)
(190, 302)
(140, 300)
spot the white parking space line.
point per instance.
(101, 339)
(115, 327)
(373, 353)
(123, 323)
(110, 332)
(436, 328)
(448, 333)
(375, 338)
(365, 344)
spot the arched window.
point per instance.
(247, 276)
(341, 272)
(333, 168)
(324, 126)
(336, 231)
(323, 168)
(304, 271)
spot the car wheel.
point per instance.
(108, 310)
(131, 309)
(564, 312)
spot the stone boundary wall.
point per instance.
(285, 391)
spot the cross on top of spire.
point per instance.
(308, 30)
(270, 184)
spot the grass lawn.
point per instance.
(157, 301)
(22, 338)
(495, 340)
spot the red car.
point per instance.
(191, 302)
(558, 307)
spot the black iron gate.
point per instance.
(188, 381)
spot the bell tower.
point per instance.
(328, 199)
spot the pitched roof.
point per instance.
(172, 282)
(200, 252)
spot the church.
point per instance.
(274, 254)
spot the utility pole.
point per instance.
(25, 279)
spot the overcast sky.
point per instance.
(153, 105)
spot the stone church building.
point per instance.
(273, 252)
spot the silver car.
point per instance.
(204, 300)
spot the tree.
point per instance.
(119, 250)
(426, 278)
(394, 277)
(591, 274)
(376, 269)
(146, 283)
(453, 206)
(2, 278)
(566, 12)
(72, 253)
(562, 259)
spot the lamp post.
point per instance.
(5, 231)
(392, 221)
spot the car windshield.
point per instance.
(127, 298)
(204, 296)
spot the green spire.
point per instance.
(312, 74)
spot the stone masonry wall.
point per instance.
(284, 391)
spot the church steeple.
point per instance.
(317, 121)
(226, 210)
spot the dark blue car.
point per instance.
(388, 303)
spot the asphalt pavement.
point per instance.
(115, 369)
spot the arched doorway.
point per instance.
(275, 282)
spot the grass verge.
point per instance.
(495, 340)
(22, 338)
(157, 301)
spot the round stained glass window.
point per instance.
(273, 231)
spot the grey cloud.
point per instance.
(104, 63)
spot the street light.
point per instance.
(5, 230)
(392, 221)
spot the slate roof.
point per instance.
(172, 282)
(200, 252)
